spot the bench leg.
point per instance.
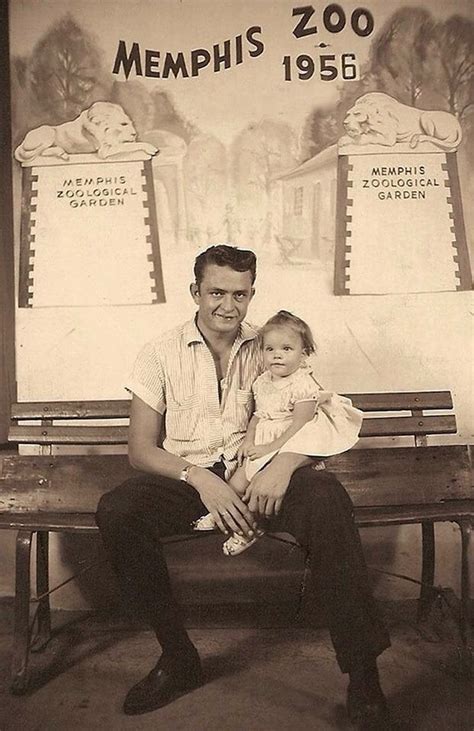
(465, 623)
(21, 630)
(427, 592)
(43, 634)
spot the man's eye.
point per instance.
(216, 294)
(239, 296)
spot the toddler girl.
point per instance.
(292, 413)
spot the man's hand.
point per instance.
(266, 491)
(225, 506)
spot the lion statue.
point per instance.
(379, 119)
(103, 128)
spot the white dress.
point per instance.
(334, 428)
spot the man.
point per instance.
(196, 381)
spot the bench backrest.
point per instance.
(386, 415)
(384, 476)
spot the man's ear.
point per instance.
(195, 294)
(252, 292)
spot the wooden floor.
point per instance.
(260, 679)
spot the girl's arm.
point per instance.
(251, 429)
(249, 440)
(302, 413)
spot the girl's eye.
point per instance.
(287, 347)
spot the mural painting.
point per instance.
(401, 103)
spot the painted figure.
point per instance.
(197, 381)
(292, 414)
(103, 128)
(379, 119)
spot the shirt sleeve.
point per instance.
(305, 388)
(147, 380)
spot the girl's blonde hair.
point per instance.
(283, 318)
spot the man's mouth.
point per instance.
(228, 318)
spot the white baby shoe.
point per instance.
(237, 544)
(205, 522)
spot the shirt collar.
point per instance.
(192, 333)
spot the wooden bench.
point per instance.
(389, 485)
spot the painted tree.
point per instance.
(454, 49)
(65, 70)
(260, 153)
(205, 181)
(321, 129)
(401, 54)
(168, 118)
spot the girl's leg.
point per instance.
(238, 482)
(238, 543)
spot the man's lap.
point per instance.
(173, 505)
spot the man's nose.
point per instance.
(227, 303)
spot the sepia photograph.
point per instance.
(236, 373)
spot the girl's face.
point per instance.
(282, 351)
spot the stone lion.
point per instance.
(379, 119)
(103, 128)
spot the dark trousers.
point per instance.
(316, 510)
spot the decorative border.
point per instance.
(27, 237)
(152, 237)
(459, 243)
(343, 232)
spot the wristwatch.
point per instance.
(184, 476)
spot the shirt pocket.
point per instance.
(183, 418)
(243, 409)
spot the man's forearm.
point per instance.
(289, 462)
(157, 461)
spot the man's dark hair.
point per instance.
(240, 260)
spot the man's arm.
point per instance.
(223, 503)
(267, 489)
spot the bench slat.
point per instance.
(364, 517)
(387, 476)
(371, 427)
(71, 410)
(406, 401)
(119, 409)
(87, 435)
(398, 426)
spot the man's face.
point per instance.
(222, 298)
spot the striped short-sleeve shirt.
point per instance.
(176, 376)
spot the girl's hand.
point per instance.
(244, 451)
(255, 452)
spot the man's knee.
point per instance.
(118, 502)
(316, 486)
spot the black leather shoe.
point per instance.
(366, 704)
(168, 680)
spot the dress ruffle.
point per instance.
(334, 429)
